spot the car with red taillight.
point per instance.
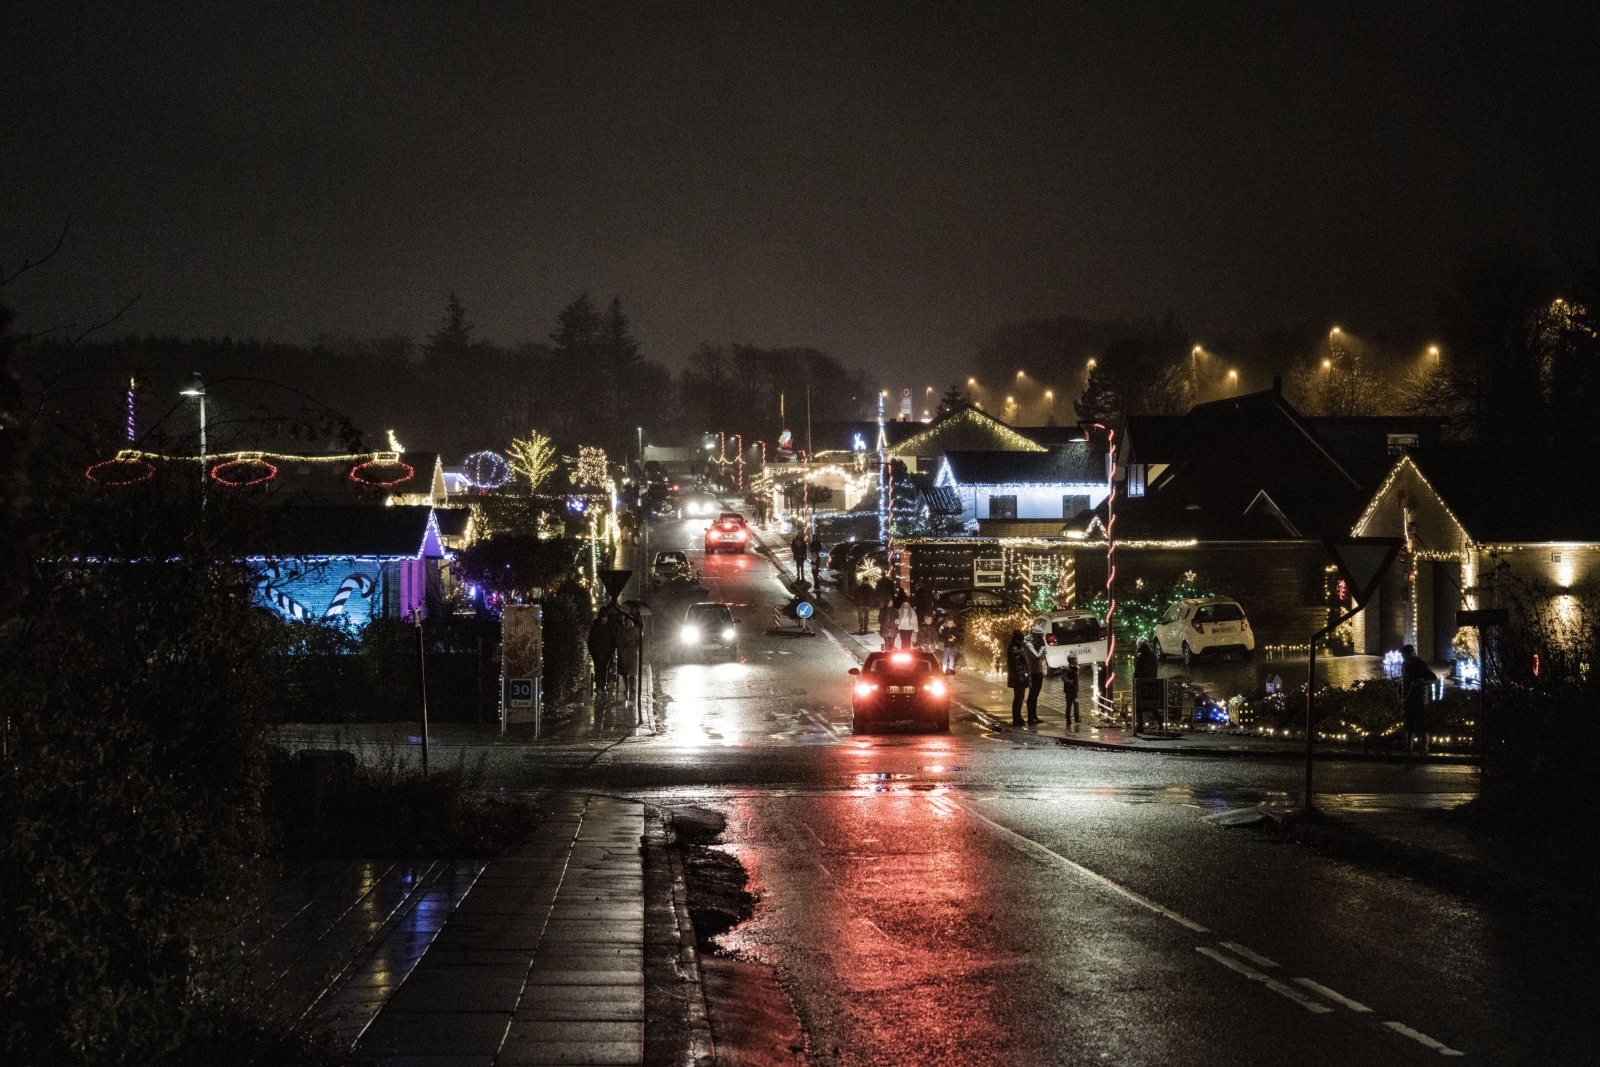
(730, 533)
(901, 687)
(1202, 626)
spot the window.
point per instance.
(1072, 504)
(1172, 613)
(1219, 613)
(1076, 631)
(1002, 507)
(1136, 479)
(1399, 442)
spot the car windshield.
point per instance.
(709, 614)
(899, 663)
(1218, 613)
(1076, 631)
(668, 557)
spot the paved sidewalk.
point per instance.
(542, 962)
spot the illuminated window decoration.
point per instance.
(486, 470)
(126, 469)
(242, 472)
(382, 471)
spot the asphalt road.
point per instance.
(965, 900)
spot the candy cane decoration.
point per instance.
(279, 599)
(350, 585)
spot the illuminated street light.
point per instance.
(1327, 364)
(1196, 350)
(1011, 400)
(1020, 375)
(1233, 382)
(1049, 394)
(1334, 331)
(972, 381)
(1091, 364)
(1433, 350)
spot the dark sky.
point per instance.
(883, 181)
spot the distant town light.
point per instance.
(1327, 364)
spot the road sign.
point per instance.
(521, 692)
(804, 609)
(1149, 696)
(1484, 617)
(614, 581)
(1362, 562)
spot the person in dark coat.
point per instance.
(1146, 664)
(628, 639)
(602, 648)
(1034, 644)
(1018, 676)
(816, 559)
(865, 598)
(797, 549)
(949, 633)
(1069, 689)
(922, 597)
(1416, 683)
(889, 619)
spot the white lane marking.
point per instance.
(825, 724)
(1030, 845)
(1423, 1039)
(1337, 998)
(1276, 986)
(1239, 950)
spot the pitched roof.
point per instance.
(1512, 496)
(966, 430)
(942, 500)
(1078, 463)
(402, 531)
(315, 479)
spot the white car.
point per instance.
(1204, 626)
(1072, 633)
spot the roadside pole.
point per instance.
(422, 676)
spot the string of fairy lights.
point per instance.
(241, 470)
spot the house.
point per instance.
(357, 562)
(1026, 492)
(1479, 526)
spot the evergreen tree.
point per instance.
(453, 338)
(953, 400)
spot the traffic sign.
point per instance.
(614, 581)
(1149, 695)
(521, 692)
(804, 609)
(1362, 562)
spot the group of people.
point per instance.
(909, 620)
(805, 547)
(1026, 670)
(614, 649)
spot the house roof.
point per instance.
(453, 522)
(293, 479)
(1514, 496)
(942, 500)
(1052, 436)
(1078, 463)
(967, 430)
(402, 531)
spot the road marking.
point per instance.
(1315, 1006)
(1423, 1039)
(1337, 998)
(1239, 950)
(1031, 845)
(824, 723)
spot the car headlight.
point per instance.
(727, 634)
(691, 634)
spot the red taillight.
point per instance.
(901, 657)
(864, 689)
(1244, 624)
(1049, 639)
(936, 687)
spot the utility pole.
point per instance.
(197, 388)
(422, 676)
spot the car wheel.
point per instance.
(1188, 655)
(858, 725)
(1161, 657)
(942, 724)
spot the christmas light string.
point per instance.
(243, 461)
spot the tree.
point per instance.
(533, 457)
(453, 338)
(1145, 372)
(952, 400)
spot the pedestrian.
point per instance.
(888, 624)
(865, 597)
(1037, 665)
(908, 623)
(1017, 676)
(1146, 664)
(922, 597)
(1416, 682)
(797, 549)
(602, 649)
(1069, 689)
(816, 559)
(627, 653)
(947, 639)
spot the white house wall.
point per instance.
(1033, 502)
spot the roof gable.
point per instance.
(1078, 463)
(969, 430)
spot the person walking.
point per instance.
(1416, 682)
(816, 560)
(947, 639)
(907, 618)
(797, 549)
(627, 653)
(865, 597)
(888, 624)
(1069, 689)
(922, 597)
(1146, 664)
(1017, 677)
(602, 649)
(1034, 645)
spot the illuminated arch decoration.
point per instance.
(383, 471)
(244, 471)
(124, 470)
(486, 470)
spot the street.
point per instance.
(960, 898)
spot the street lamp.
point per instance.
(1327, 364)
(972, 381)
(1433, 350)
(1233, 383)
(197, 388)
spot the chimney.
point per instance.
(1277, 384)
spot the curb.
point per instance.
(702, 1047)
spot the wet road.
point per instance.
(964, 900)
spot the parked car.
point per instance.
(1073, 633)
(1204, 626)
(845, 556)
(899, 687)
(709, 628)
(726, 535)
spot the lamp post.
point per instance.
(197, 388)
(1233, 383)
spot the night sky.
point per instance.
(886, 182)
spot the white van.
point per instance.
(1204, 625)
(1072, 633)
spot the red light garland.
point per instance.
(355, 473)
(149, 471)
(216, 473)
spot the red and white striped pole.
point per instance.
(1111, 551)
